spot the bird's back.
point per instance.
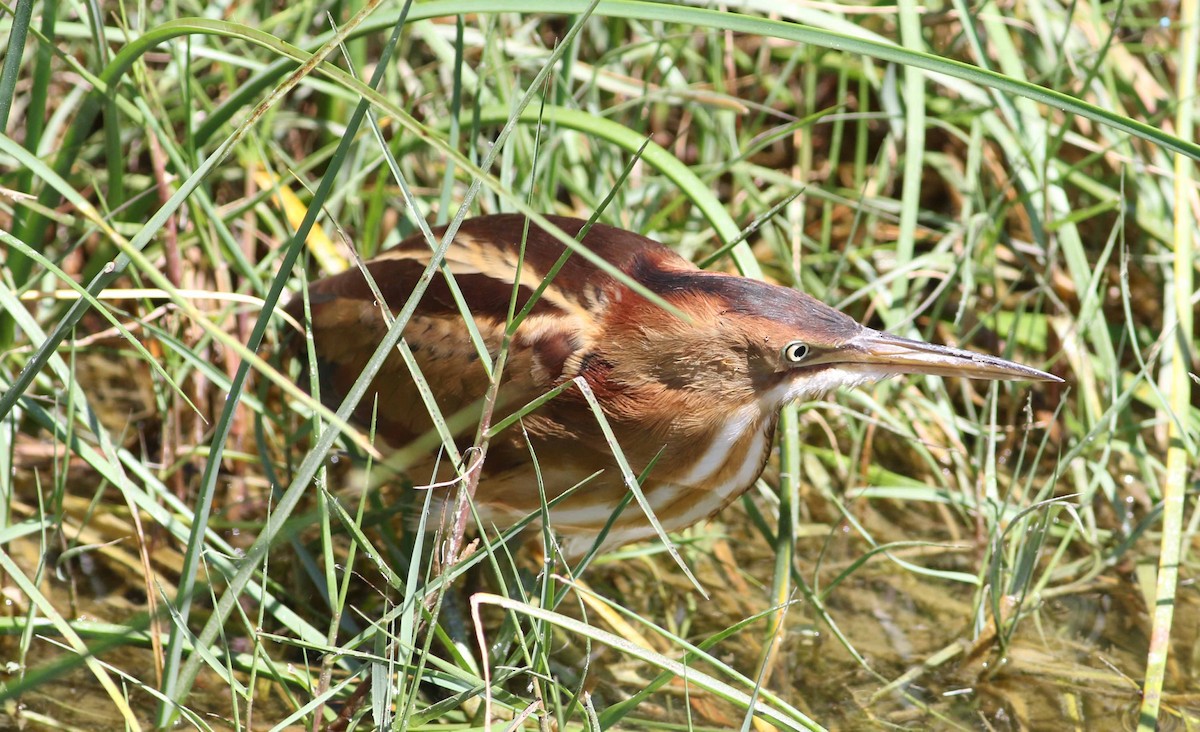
(348, 318)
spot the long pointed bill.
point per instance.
(877, 350)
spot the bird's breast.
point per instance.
(731, 441)
(716, 470)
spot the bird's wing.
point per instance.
(349, 321)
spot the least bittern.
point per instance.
(696, 400)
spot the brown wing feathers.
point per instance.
(348, 325)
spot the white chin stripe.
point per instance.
(826, 380)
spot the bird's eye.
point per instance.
(795, 351)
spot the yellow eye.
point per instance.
(795, 352)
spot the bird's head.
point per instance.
(781, 345)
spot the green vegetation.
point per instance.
(182, 533)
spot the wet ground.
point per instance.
(1074, 658)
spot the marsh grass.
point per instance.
(184, 536)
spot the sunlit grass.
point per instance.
(929, 552)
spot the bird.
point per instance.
(692, 391)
